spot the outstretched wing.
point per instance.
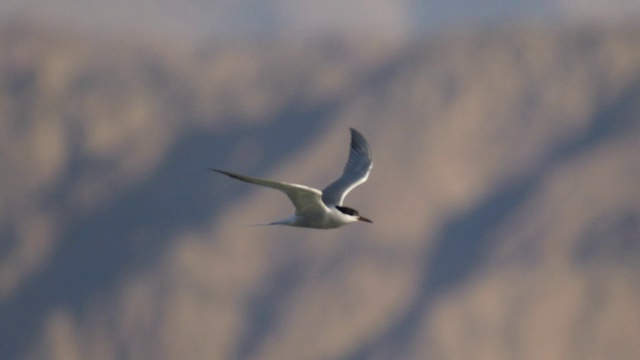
(305, 199)
(355, 172)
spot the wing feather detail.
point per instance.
(356, 171)
(305, 199)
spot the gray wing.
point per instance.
(305, 199)
(355, 172)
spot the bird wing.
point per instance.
(305, 199)
(355, 172)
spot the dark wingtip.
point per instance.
(229, 174)
(356, 133)
(358, 141)
(224, 173)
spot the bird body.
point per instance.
(323, 209)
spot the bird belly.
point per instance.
(319, 221)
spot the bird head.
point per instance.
(352, 213)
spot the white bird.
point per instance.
(323, 209)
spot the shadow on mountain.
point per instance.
(267, 307)
(95, 253)
(460, 250)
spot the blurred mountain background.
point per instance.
(504, 193)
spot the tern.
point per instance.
(323, 209)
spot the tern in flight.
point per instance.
(323, 209)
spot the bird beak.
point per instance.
(362, 218)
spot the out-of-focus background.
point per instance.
(505, 190)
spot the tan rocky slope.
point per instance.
(504, 194)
